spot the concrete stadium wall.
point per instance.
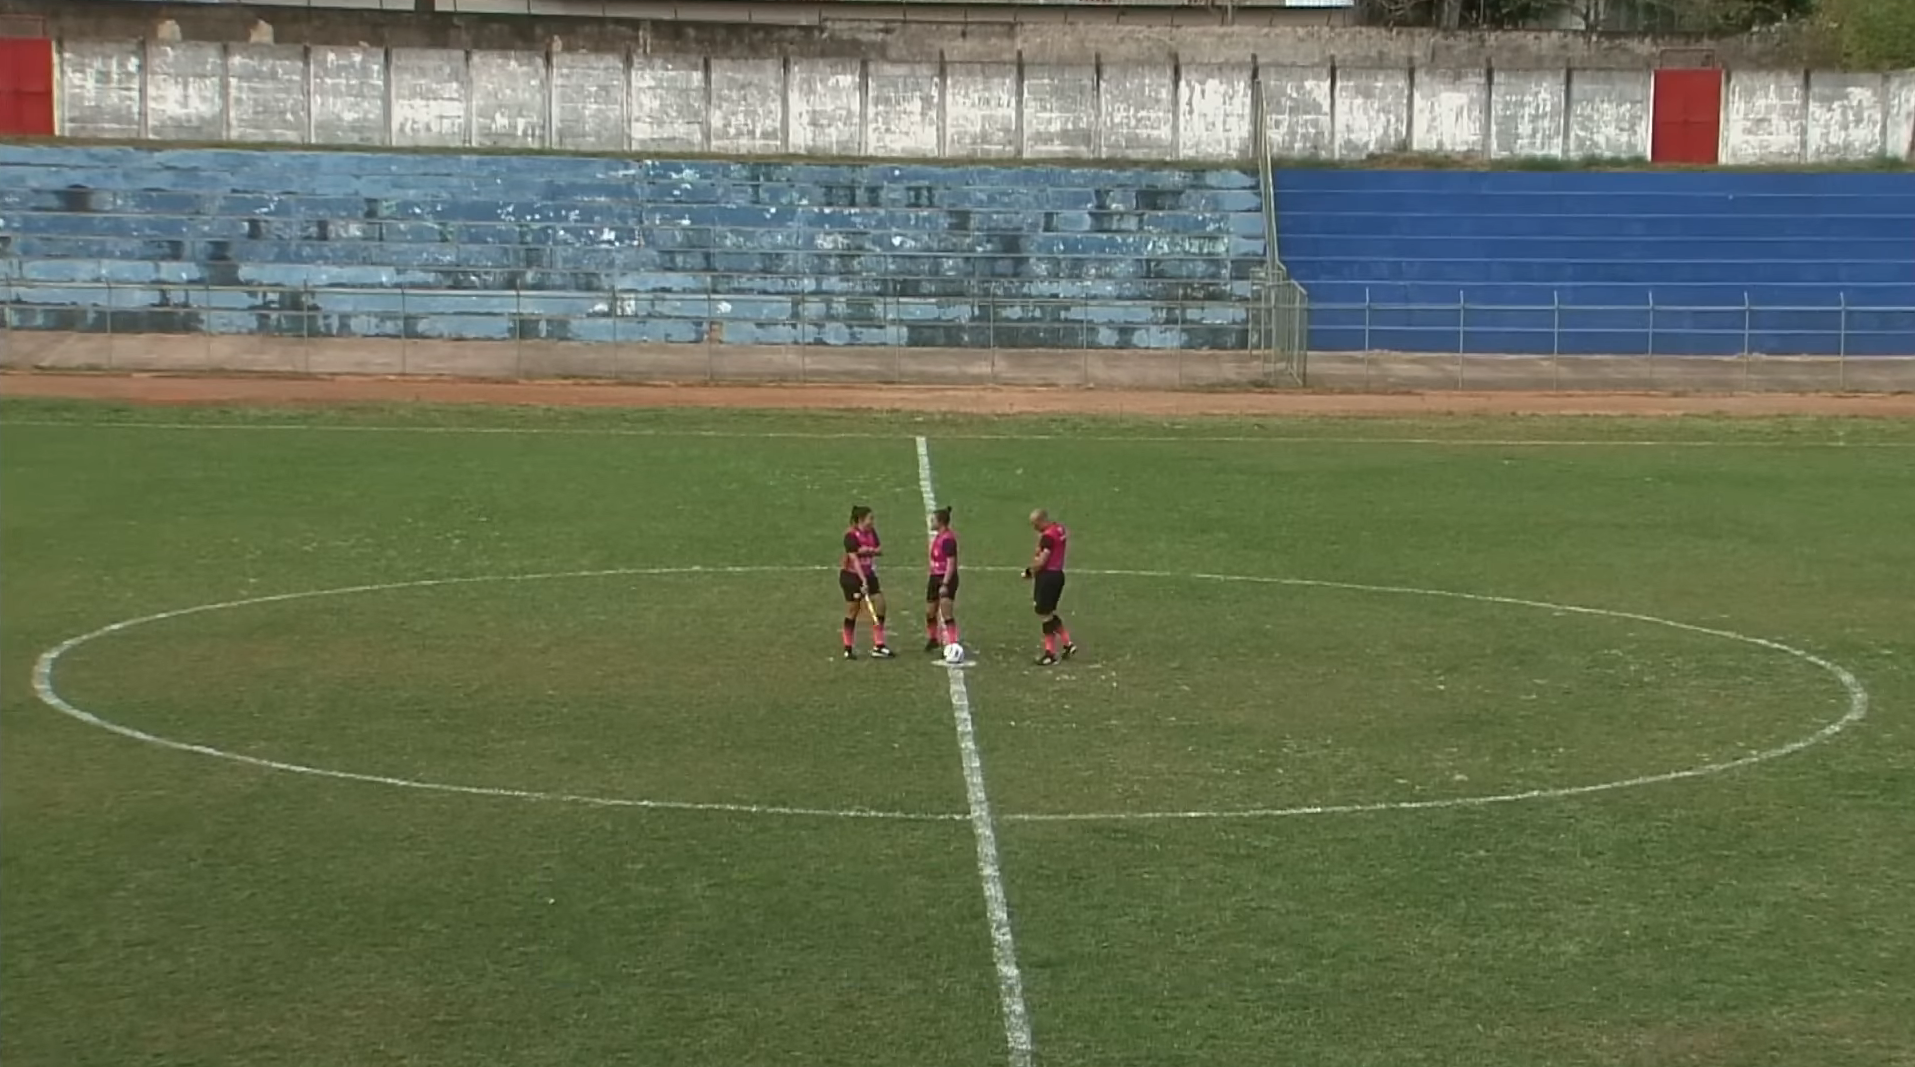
(636, 102)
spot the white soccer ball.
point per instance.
(954, 653)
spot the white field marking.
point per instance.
(990, 870)
(1858, 701)
(867, 435)
(43, 686)
(1857, 707)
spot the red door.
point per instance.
(26, 86)
(1687, 127)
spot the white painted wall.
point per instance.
(348, 88)
(186, 91)
(1373, 111)
(1608, 112)
(1449, 112)
(1765, 116)
(1529, 114)
(840, 107)
(1900, 131)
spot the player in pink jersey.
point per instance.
(941, 589)
(858, 580)
(1046, 574)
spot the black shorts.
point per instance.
(934, 583)
(1047, 588)
(854, 590)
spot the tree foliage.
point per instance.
(1865, 34)
(1873, 34)
(1627, 16)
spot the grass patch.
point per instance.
(231, 914)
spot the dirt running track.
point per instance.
(991, 400)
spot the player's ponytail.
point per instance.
(858, 513)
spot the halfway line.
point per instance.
(990, 870)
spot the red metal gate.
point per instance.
(26, 86)
(1687, 127)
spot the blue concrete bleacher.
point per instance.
(1685, 263)
(377, 244)
(382, 244)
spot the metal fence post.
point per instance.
(615, 311)
(1368, 345)
(1299, 333)
(1556, 340)
(893, 319)
(1652, 338)
(990, 334)
(1366, 318)
(1748, 328)
(307, 310)
(111, 359)
(405, 330)
(711, 356)
(1842, 348)
(206, 327)
(1182, 351)
(1462, 332)
(1083, 339)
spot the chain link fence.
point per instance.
(1752, 346)
(989, 338)
(994, 336)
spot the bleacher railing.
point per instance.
(1280, 326)
(1567, 345)
(992, 335)
(989, 336)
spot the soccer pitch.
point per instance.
(520, 736)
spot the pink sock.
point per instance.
(877, 634)
(950, 633)
(1050, 643)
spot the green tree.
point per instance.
(1714, 17)
(1627, 16)
(1873, 34)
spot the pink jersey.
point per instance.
(855, 538)
(1057, 539)
(943, 552)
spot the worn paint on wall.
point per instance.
(1373, 113)
(1608, 114)
(1214, 112)
(349, 88)
(1299, 111)
(1765, 116)
(1528, 114)
(186, 91)
(1450, 112)
(969, 110)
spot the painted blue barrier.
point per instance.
(1572, 263)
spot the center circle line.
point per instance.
(1857, 710)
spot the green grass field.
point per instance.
(173, 907)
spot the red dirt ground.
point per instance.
(989, 400)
